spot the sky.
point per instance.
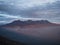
(29, 9)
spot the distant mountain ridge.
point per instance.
(28, 22)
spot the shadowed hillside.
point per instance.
(6, 41)
(30, 32)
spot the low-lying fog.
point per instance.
(32, 36)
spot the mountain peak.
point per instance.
(28, 22)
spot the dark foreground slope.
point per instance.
(5, 41)
(13, 38)
(30, 33)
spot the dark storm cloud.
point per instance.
(30, 12)
(7, 8)
(50, 11)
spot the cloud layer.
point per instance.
(30, 9)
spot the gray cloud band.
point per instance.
(48, 11)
